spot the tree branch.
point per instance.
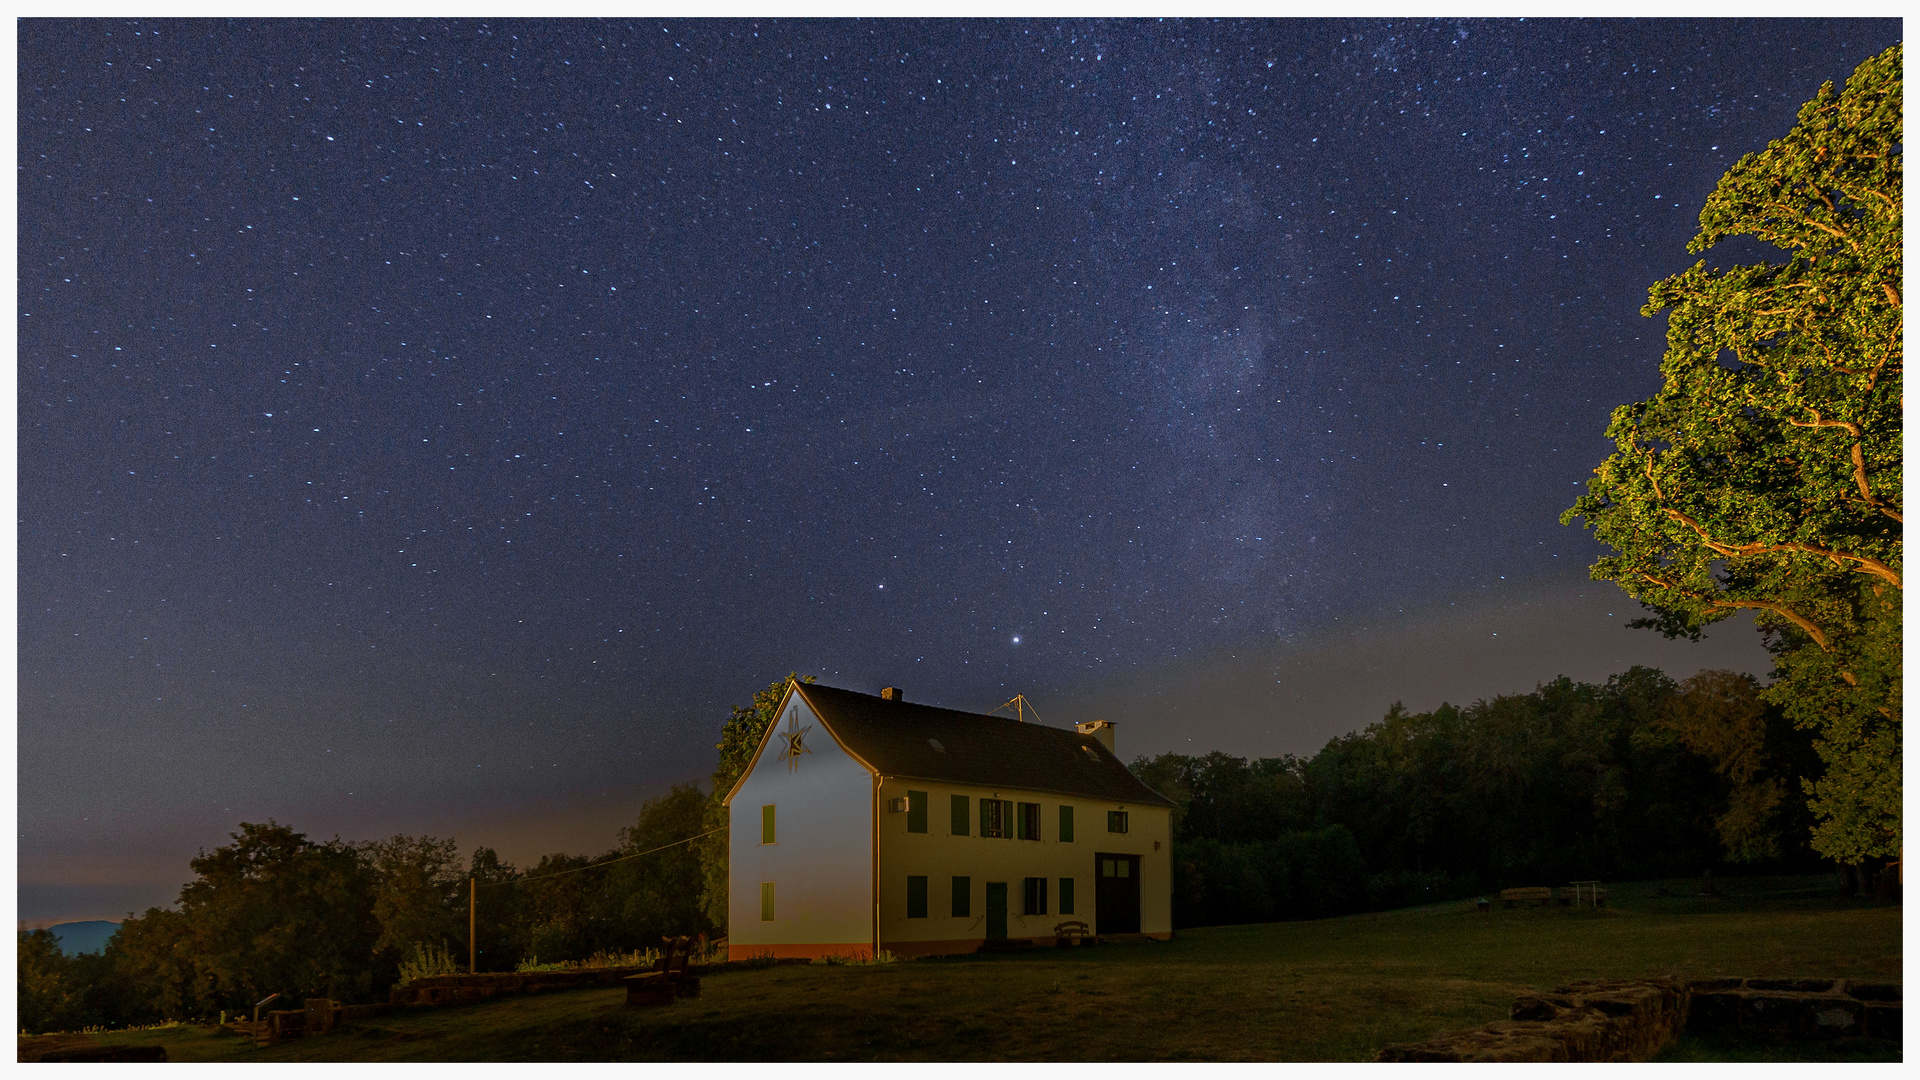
(1797, 212)
(1784, 612)
(1781, 610)
(1851, 428)
(1860, 478)
(1868, 564)
(1859, 462)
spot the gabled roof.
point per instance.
(896, 739)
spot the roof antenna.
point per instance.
(1021, 707)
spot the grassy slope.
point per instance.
(1334, 989)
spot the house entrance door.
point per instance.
(996, 911)
(1116, 893)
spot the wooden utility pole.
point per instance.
(473, 907)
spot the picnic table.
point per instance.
(1589, 892)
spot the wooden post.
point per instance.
(473, 907)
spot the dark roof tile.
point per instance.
(897, 737)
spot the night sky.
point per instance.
(437, 427)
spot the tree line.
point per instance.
(1638, 777)
(277, 912)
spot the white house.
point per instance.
(868, 823)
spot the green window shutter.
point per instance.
(766, 900)
(959, 823)
(1034, 896)
(1022, 820)
(916, 811)
(1066, 896)
(1066, 828)
(766, 824)
(962, 897)
(916, 896)
(1029, 821)
(994, 815)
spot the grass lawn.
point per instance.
(1331, 990)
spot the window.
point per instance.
(1116, 821)
(916, 811)
(962, 897)
(916, 897)
(1035, 895)
(1066, 824)
(1029, 820)
(993, 817)
(959, 825)
(766, 900)
(1066, 896)
(766, 824)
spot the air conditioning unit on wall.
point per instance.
(898, 806)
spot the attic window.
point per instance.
(935, 743)
(1090, 752)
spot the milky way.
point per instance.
(428, 412)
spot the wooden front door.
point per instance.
(996, 911)
(1116, 893)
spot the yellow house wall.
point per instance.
(940, 856)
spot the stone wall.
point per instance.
(1632, 1020)
(448, 989)
(1783, 1010)
(1584, 1021)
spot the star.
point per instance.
(796, 741)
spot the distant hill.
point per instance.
(83, 937)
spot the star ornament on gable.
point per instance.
(796, 737)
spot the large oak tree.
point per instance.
(1765, 475)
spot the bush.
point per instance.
(426, 961)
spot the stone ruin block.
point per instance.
(1632, 1020)
(1880, 1020)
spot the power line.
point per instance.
(596, 866)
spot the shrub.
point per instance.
(426, 961)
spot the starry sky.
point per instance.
(438, 426)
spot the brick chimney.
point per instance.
(1099, 729)
(892, 693)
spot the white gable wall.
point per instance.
(821, 861)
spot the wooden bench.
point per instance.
(1533, 894)
(1072, 932)
(669, 978)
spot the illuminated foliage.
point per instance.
(1766, 474)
